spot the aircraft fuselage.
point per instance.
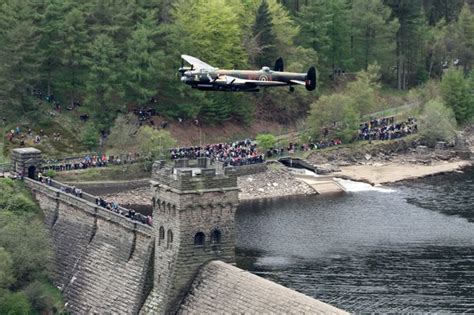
(206, 77)
(209, 80)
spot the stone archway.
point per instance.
(32, 172)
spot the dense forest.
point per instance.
(115, 55)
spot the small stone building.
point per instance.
(26, 161)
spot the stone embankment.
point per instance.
(277, 181)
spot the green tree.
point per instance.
(266, 141)
(15, 304)
(44, 297)
(437, 10)
(285, 29)
(373, 34)
(325, 27)
(212, 29)
(363, 91)
(50, 45)
(124, 133)
(74, 38)
(266, 39)
(143, 66)
(6, 269)
(19, 38)
(457, 94)
(437, 123)
(315, 21)
(464, 38)
(208, 29)
(347, 128)
(28, 244)
(437, 51)
(410, 41)
(153, 143)
(90, 137)
(334, 112)
(103, 84)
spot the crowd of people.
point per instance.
(129, 213)
(21, 136)
(237, 153)
(144, 114)
(90, 160)
(109, 205)
(386, 129)
(294, 147)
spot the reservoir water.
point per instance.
(404, 248)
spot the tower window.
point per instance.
(199, 239)
(170, 239)
(161, 236)
(216, 237)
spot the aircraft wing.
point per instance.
(236, 81)
(298, 82)
(196, 63)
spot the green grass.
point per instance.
(67, 123)
(3, 158)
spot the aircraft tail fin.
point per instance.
(279, 64)
(311, 79)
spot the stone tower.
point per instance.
(193, 217)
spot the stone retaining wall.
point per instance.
(246, 169)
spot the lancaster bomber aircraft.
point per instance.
(202, 76)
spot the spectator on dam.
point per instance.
(236, 153)
(386, 129)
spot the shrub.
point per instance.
(15, 304)
(50, 173)
(437, 122)
(266, 141)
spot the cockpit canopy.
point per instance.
(266, 69)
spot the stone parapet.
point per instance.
(186, 176)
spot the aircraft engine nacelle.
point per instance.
(311, 78)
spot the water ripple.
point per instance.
(404, 252)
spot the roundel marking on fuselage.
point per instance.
(263, 78)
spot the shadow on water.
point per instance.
(368, 250)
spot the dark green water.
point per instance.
(402, 249)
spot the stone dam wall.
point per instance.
(103, 261)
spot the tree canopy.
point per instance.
(110, 57)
